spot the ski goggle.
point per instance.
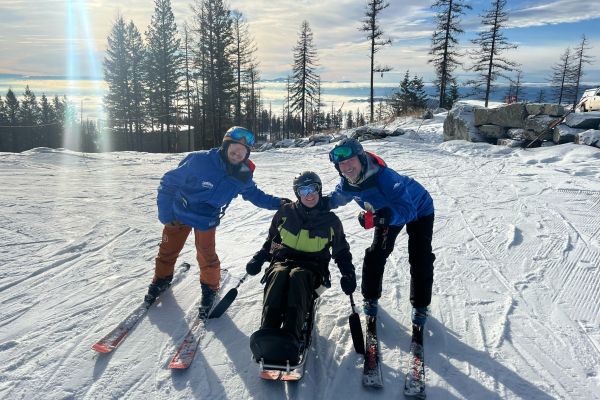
(304, 191)
(341, 153)
(241, 135)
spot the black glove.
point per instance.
(284, 200)
(255, 264)
(382, 217)
(348, 282)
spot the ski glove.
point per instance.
(255, 264)
(348, 282)
(369, 219)
(284, 200)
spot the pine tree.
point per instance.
(444, 45)
(3, 114)
(214, 64)
(541, 97)
(304, 78)
(47, 115)
(244, 50)
(487, 60)
(12, 108)
(562, 76)
(581, 57)
(374, 35)
(137, 91)
(30, 110)
(116, 75)
(163, 64)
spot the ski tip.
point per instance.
(101, 348)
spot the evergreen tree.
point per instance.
(581, 57)
(562, 76)
(116, 75)
(444, 45)
(214, 64)
(452, 96)
(304, 84)
(349, 120)
(164, 64)
(47, 115)
(410, 96)
(3, 114)
(244, 50)
(30, 110)
(12, 108)
(488, 61)
(419, 100)
(136, 53)
(374, 35)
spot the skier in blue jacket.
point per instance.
(195, 196)
(390, 201)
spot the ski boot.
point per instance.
(156, 288)
(370, 307)
(206, 301)
(419, 315)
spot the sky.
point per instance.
(515, 311)
(68, 38)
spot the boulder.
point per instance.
(459, 124)
(588, 120)
(535, 108)
(555, 110)
(564, 134)
(481, 116)
(590, 137)
(509, 116)
(538, 123)
(427, 115)
(492, 131)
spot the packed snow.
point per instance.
(515, 311)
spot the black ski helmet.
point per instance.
(307, 178)
(353, 145)
(355, 148)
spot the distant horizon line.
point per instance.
(274, 80)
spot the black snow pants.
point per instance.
(288, 297)
(420, 258)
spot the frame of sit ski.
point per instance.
(287, 372)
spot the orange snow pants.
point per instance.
(173, 240)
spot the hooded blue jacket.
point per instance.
(406, 198)
(198, 191)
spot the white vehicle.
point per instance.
(590, 100)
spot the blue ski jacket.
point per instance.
(406, 198)
(198, 191)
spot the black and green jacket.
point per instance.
(308, 238)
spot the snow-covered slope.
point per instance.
(516, 301)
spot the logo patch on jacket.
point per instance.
(207, 185)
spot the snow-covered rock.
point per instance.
(460, 123)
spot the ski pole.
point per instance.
(356, 329)
(226, 301)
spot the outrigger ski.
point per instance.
(290, 363)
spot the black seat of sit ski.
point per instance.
(275, 346)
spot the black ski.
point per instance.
(414, 383)
(372, 376)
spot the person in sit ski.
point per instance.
(298, 247)
(390, 201)
(195, 196)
